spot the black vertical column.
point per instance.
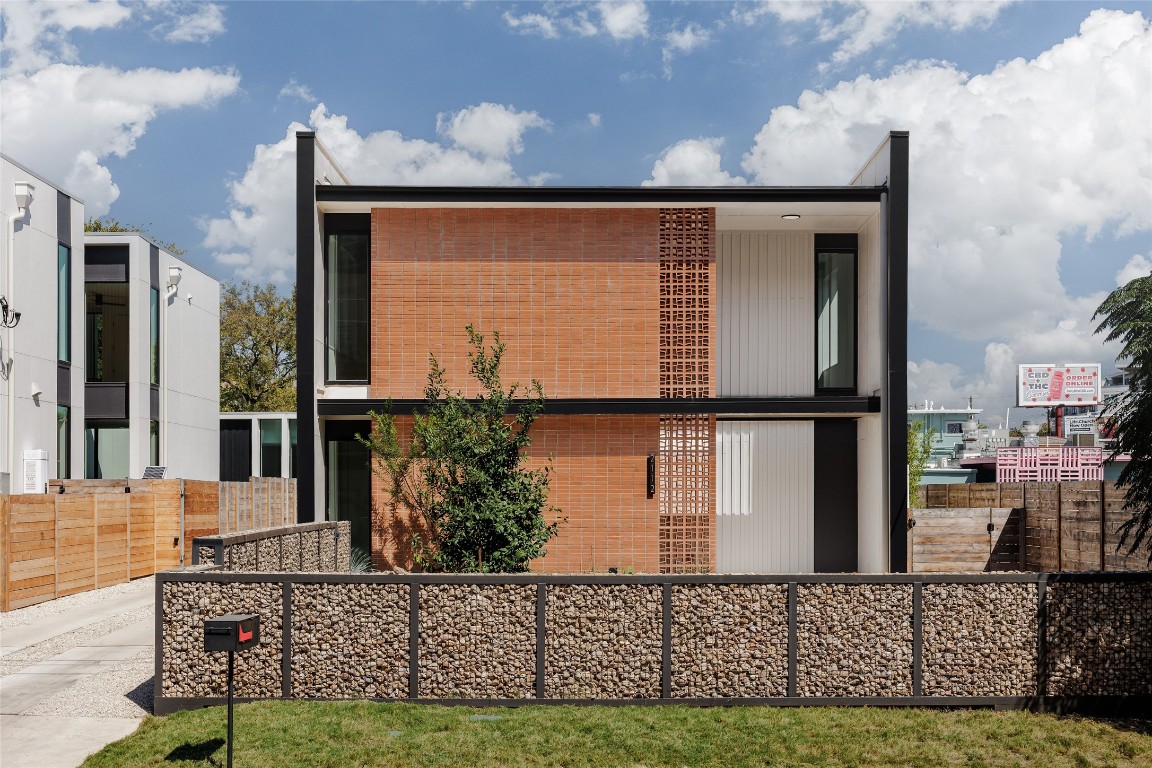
(897, 344)
(305, 312)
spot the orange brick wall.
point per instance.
(599, 483)
(574, 294)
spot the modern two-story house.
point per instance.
(108, 350)
(724, 367)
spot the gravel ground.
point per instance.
(18, 660)
(60, 605)
(123, 690)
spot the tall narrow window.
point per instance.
(63, 441)
(64, 303)
(836, 320)
(106, 326)
(154, 314)
(292, 448)
(153, 443)
(271, 438)
(347, 315)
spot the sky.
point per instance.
(1030, 130)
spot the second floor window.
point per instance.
(346, 326)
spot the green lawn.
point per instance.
(341, 735)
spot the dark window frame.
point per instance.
(64, 309)
(836, 243)
(346, 224)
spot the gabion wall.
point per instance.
(958, 621)
(487, 638)
(185, 669)
(305, 548)
(729, 640)
(603, 641)
(477, 641)
(854, 640)
(1099, 640)
(350, 641)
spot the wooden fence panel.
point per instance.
(1042, 532)
(111, 556)
(30, 550)
(142, 535)
(1116, 557)
(946, 540)
(202, 501)
(1062, 526)
(76, 543)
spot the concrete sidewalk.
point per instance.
(80, 660)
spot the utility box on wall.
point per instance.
(35, 472)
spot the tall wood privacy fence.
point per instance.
(1068, 526)
(87, 534)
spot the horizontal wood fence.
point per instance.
(1068, 526)
(87, 534)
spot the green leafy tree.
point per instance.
(108, 224)
(257, 348)
(461, 471)
(920, 440)
(1127, 317)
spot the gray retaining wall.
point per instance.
(1022, 640)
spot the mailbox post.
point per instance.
(231, 633)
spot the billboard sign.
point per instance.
(1079, 425)
(1051, 384)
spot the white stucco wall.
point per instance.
(28, 352)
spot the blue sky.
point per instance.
(1031, 129)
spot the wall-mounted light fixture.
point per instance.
(8, 318)
(24, 192)
(37, 390)
(174, 273)
(791, 217)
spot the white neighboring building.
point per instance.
(152, 359)
(124, 357)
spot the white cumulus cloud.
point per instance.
(64, 119)
(492, 130)
(1137, 266)
(296, 90)
(1005, 166)
(858, 26)
(201, 23)
(692, 162)
(257, 236)
(36, 33)
(624, 19)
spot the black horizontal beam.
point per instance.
(783, 406)
(656, 196)
(653, 578)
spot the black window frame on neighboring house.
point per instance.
(63, 303)
(839, 245)
(336, 226)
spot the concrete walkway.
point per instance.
(73, 665)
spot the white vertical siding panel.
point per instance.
(765, 314)
(764, 501)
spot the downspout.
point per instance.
(9, 351)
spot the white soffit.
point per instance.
(744, 216)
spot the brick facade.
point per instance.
(595, 303)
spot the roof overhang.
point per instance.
(824, 209)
